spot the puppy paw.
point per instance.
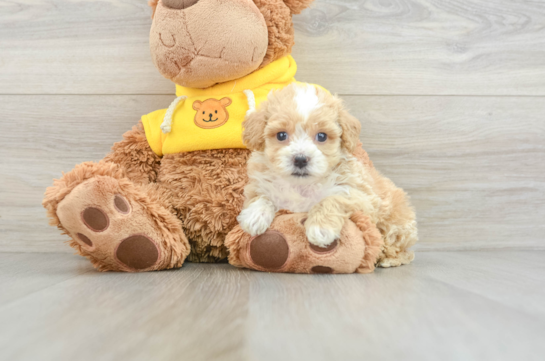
(321, 236)
(257, 218)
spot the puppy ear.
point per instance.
(153, 5)
(351, 127)
(296, 6)
(253, 135)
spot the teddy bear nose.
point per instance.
(179, 4)
(300, 161)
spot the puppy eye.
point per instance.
(321, 137)
(281, 136)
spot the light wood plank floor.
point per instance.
(481, 305)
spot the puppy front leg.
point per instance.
(257, 216)
(326, 220)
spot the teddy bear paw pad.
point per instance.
(121, 204)
(95, 219)
(137, 252)
(269, 251)
(321, 269)
(85, 239)
(327, 249)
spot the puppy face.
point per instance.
(303, 131)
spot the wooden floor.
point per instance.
(481, 305)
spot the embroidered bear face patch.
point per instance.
(211, 113)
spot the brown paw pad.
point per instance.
(321, 269)
(270, 250)
(137, 252)
(85, 239)
(121, 204)
(95, 219)
(327, 249)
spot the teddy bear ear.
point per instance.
(296, 6)
(197, 104)
(153, 5)
(225, 102)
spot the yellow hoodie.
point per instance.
(211, 118)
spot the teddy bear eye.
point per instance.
(203, 112)
(321, 137)
(281, 136)
(216, 112)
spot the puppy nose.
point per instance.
(300, 161)
(179, 4)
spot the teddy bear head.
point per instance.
(199, 43)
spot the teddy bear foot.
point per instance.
(285, 248)
(116, 225)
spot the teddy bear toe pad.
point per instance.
(85, 239)
(95, 219)
(321, 269)
(270, 250)
(137, 252)
(109, 227)
(327, 249)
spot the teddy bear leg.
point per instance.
(285, 248)
(117, 224)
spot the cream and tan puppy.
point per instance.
(303, 141)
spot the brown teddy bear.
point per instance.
(173, 187)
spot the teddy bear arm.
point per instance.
(135, 156)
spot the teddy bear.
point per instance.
(172, 188)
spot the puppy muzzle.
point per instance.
(300, 161)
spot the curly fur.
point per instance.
(277, 14)
(281, 33)
(135, 156)
(332, 185)
(206, 189)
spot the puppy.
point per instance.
(304, 144)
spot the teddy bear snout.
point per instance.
(179, 4)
